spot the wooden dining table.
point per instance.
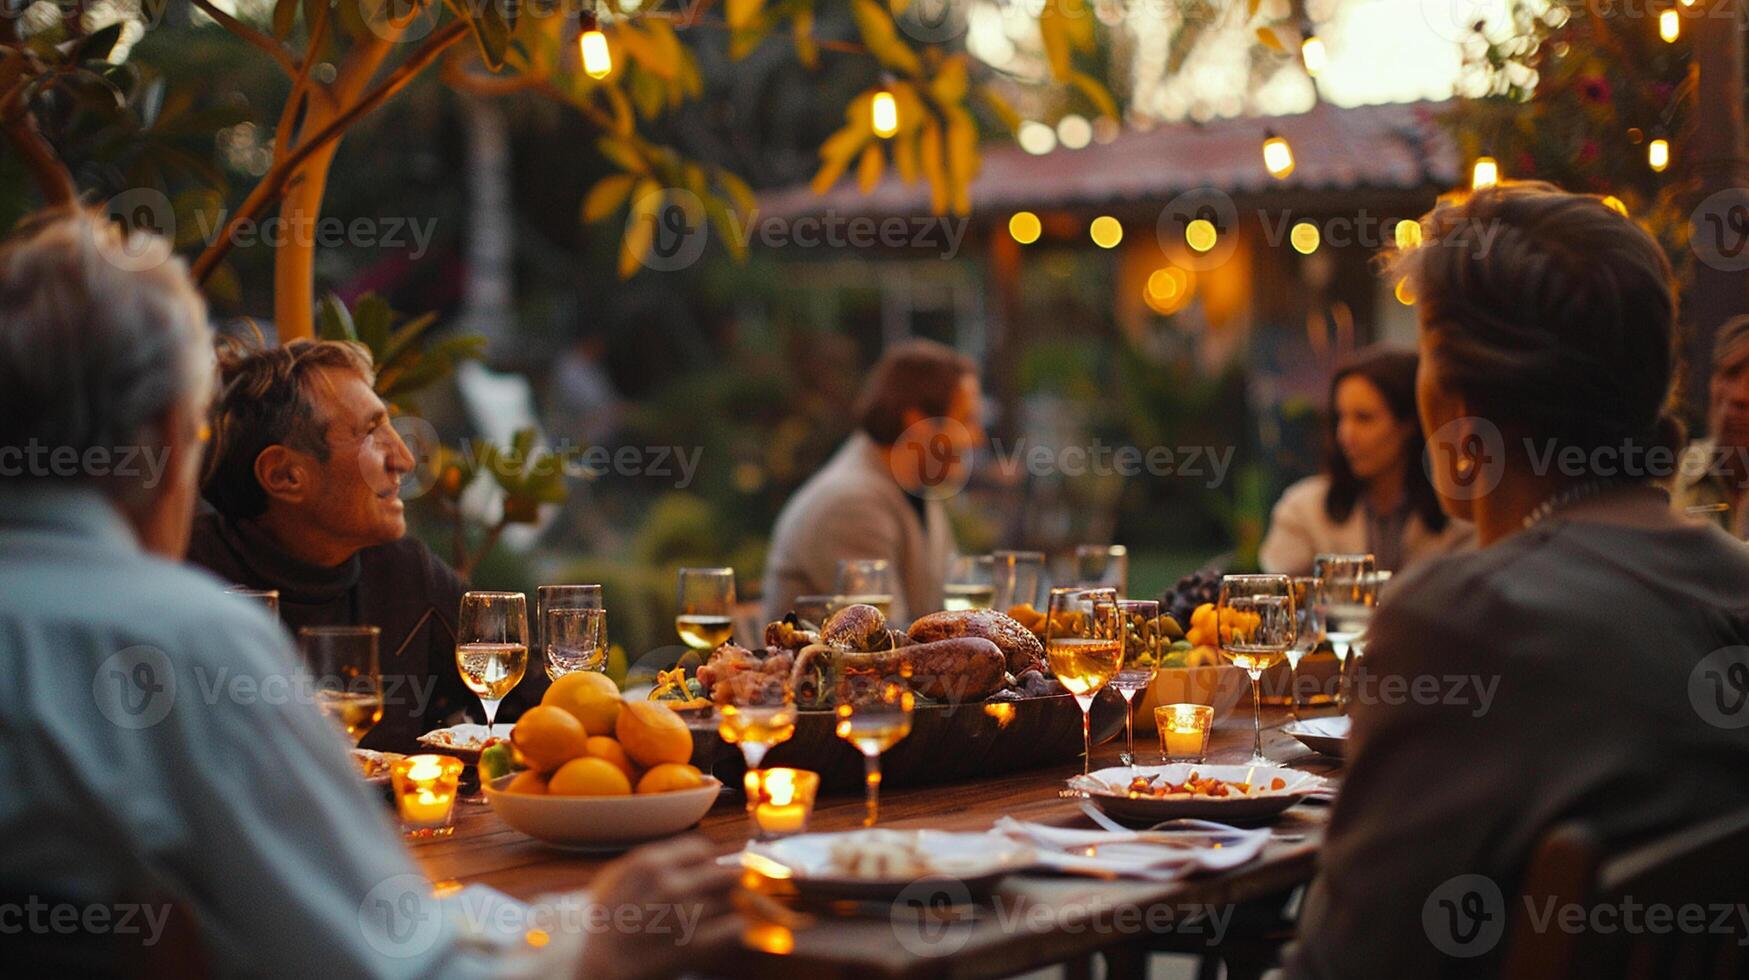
(1028, 921)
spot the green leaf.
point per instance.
(490, 27)
(400, 343)
(1095, 92)
(622, 154)
(881, 37)
(640, 226)
(727, 228)
(373, 318)
(1000, 106)
(97, 45)
(1055, 34)
(333, 321)
(607, 195)
(436, 363)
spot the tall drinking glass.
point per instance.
(1018, 579)
(1141, 661)
(344, 675)
(267, 597)
(1102, 566)
(1309, 613)
(550, 597)
(1084, 644)
(707, 605)
(1256, 625)
(970, 583)
(1350, 593)
(873, 702)
(575, 639)
(868, 581)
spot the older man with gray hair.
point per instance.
(1713, 474)
(153, 737)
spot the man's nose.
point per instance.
(399, 459)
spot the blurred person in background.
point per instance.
(1374, 495)
(304, 481)
(1713, 474)
(919, 419)
(143, 750)
(1548, 322)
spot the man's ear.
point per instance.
(284, 474)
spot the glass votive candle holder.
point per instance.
(1184, 731)
(425, 791)
(780, 799)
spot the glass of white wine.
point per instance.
(707, 607)
(873, 705)
(491, 649)
(344, 675)
(868, 581)
(970, 583)
(1141, 661)
(762, 714)
(1084, 644)
(1256, 624)
(1350, 593)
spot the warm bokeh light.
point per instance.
(1658, 155)
(884, 114)
(1074, 132)
(1025, 227)
(1305, 238)
(1036, 138)
(597, 62)
(1201, 235)
(1314, 55)
(1670, 26)
(1106, 231)
(1168, 290)
(1616, 204)
(1405, 295)
(1485, 174)
(1278, 157)
(1408, 234)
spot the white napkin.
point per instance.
(1123, 855)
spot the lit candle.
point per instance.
(425, 790)
(1184, 731)
(782, 799)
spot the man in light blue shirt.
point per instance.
(153, 736)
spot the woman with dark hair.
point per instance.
(1374, 495)
(1585, 653)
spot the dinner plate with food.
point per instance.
(374, 766)
(465, 741)
(880, 864)
(1230, 794)
(1327, 735)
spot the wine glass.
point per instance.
(550, 597)
(1018, 579)
(1084, 644)
(1256, 624)
(1350, 593)
(491, 650)
(344, 675)
(707, 603)
(1309, 615)
(970, 583)
(1102, 566)
(575, 639)
(1141, 661)
(873, 703)
(868, 581)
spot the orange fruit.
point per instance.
(670, 776)
(592, 697)
(652, 734)
(548, 737)
(589, 776)
(602, 747)
(527, 781)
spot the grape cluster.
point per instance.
(1200, 586)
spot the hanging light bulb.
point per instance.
(1313, 54)
(1278, 157)
(1486, 173)
(1616, 204)
(1670, 26)
(884, 114)
(1658, 155)
(592, 45)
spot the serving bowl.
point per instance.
(606, 823)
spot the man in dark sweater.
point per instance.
(303, 482)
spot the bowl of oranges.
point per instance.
(594, 771)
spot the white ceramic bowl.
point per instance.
(601, 822)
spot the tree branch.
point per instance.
(52, 175)
(274, 182)
(265, 42)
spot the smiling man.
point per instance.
(304, 484)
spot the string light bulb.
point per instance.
(592, 46)
(1616, 204)
(1658, 155)
(1670, 25)
(1486, 173)
(1313, 54)
(1106, 231)
(1278, 157)
(884, 114)
(1025, 227)
(1305, 238)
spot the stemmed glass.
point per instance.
(1084, 644)
(707, 605)
(1350, 593)
(1256, 618)
(491, 648)
(970, 583)
(344, 675)
(868, 581)
(575, 639)
(1141, 661)
(1102, 566)
(552, 597)
(1309, 613)
(1018, 579)
(762, 714)
(873, 704)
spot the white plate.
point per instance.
(465, 741)
(380, 761)
(601, 822)
(1326, 735)
(975, 860)
(1236, 810)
